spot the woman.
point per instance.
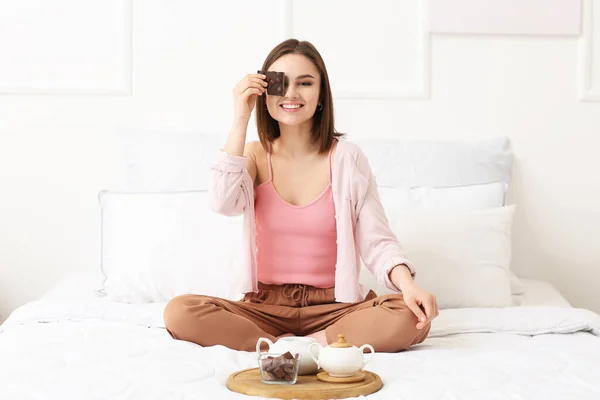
(311, 209)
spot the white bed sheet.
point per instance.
(74, 345)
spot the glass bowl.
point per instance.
(280, 370)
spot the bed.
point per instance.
(73, 343)
(497, 336)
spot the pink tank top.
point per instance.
(295, 244)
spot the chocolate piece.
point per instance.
(281, 368)
(269, 376)
(267, 363)
(279, 373)
(275, 82)
(289, 369)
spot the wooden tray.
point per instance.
(248, 382)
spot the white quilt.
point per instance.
(101, 350)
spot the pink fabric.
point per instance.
(362, 227)
(295, 244)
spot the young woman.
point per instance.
(311, 210)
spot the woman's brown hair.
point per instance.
(323, 130)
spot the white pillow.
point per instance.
(159, 245)
(438, 163)
(463, 256)
(459, 198)
(471, 197)
(159, 161)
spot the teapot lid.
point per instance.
(341, 342)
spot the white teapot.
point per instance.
(342, 359)
(294, 344)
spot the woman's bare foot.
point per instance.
(319, 337)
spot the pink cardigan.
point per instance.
(362, 227)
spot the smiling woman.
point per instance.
(311, 210)
(307, 100)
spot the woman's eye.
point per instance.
(306, 84)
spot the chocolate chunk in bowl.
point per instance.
(279, 368)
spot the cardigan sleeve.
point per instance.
(230, 184)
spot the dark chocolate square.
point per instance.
(275, 83)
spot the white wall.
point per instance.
(72, 73)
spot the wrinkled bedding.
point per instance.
(95, 349)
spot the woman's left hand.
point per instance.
(418, 299)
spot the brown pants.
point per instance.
(385, 322)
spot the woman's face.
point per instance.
(302, 83)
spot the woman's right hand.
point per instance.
(245, 93)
